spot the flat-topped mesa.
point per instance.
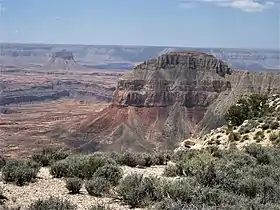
(189, 60)
(191, 79)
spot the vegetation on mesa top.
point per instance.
(248, 108)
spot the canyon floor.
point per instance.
(28, 127)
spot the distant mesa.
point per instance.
(65, 55)
(63, 60)
(166, 100)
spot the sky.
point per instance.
(190, 23)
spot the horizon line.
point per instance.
(137, 45)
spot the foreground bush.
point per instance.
(81, 166)
(52, 203)
(97, 186)
(49, 156)
(74, 185)
(111, 173)
(138, 191)
(20, 171)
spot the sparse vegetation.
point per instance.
(97, 186)
(74, 185)
(247, 108)
(19, 171)
(137, 190)
(52, 203)
(49, 156)
(2, 161)
(111, 173)
(81, 166)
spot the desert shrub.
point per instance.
(99, 207)
(259, 136)
(179, 189)
(111, 173)
(138, 191)
(49, 156)
(81, 166)
(97, 186)
(59, 169)
(162, 157)
(19, 171)
(74, 185)
(273, 136)
(254, 106)
(260, 153)
(274, 125)
(52, 203)
(2, 161)
(171, 170)
(170, 204)
(133, 159)
(234, 136)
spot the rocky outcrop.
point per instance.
(168, 99)
(188, 78)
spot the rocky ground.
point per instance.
(46, 186)
(264, 131)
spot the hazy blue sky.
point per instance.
(199, 23)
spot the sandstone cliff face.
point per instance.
(190, 79)
(166, 100)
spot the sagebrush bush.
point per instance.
(81, 166)
(111, 173)
(97, 186)
(134, 159)
(138, 191)
(74, 185)
(273, 136)
(52, 203)
(179, 189)
(171, 170)
(20, 171)
(49, 156)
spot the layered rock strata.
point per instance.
(168, 99)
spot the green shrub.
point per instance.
(134, 159)
(20, 171)
(254, 106)
(81, 166)
(265, 126)
(179, 189)
(162, 157)
(260, 153)
(111, 173)
(274, 125)
(171, 170)
(170, 204)
(97, 186)
(52, 203)
(138, 191)
(74, 185)
(49, 156)
(273, 136)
